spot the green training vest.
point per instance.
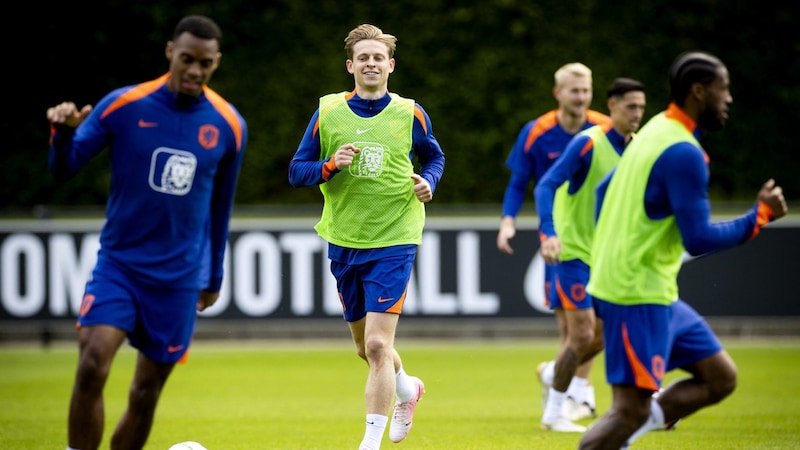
(371, 203)
(636, 260)
(573, 214)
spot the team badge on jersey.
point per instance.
(369, 162)
(172, 171)
(208, 136)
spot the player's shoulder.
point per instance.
(686, 151)
(598, 118)
(543, 123)
(223, 107)
(548, 119)
(121, 97)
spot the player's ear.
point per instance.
(217, 60)
(698, 90)
(168, 50)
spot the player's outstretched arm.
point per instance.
(67, 113)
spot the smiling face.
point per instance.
(574, 95)
(370, 66)
(192, 62)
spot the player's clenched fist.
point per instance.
(344, 155)
(772, 195)
(422, 189)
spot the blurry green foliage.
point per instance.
(480, 70)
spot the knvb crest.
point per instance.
(208, 136)
(369, 162)
(172, 171)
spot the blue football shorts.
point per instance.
(643, 342)
(691, 337)
(569, 286)
(159, 321)
(548, 285)
(375, 286)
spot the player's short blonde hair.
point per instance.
(575, 69)
(367, 31)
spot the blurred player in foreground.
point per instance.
(176, 148)
(358, 148)
(654, 207)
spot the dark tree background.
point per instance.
(481, 69)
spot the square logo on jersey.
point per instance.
(369, 162)
(172, 171)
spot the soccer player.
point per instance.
(359, 148)
(655, 207)
(540, 142)
(176, 148)
(565, 201)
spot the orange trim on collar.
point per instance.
(675, 112)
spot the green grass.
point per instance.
(309, 395)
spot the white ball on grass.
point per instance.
(188, 445)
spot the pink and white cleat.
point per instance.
(404, 413)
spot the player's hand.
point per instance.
(422, 189)
(67, 113)
(772, 195)
(344, 155)
(206, 299)
(507, 232)
(551, 250)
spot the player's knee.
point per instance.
(633, 414)
(596, 345)
(723, 383)
(93, 371)
(376, 348)
(582, 339)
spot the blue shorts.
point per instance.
(691, 338)
(159, 322)
(548, 285)
(643, 342)
(569, 286)
(374, 286)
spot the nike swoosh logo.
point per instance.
(360, 131)
(174, 348)
(384, 300)
(143, 124)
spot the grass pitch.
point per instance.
(309, 395)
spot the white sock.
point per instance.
(549, 373)
(582, 392)
(654, 422)
(588, 396)
(405, 389)
(577, 388)
(70, 448)
(376, 425)
(552, 410)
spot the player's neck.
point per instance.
(371, 94)
(569, 122)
